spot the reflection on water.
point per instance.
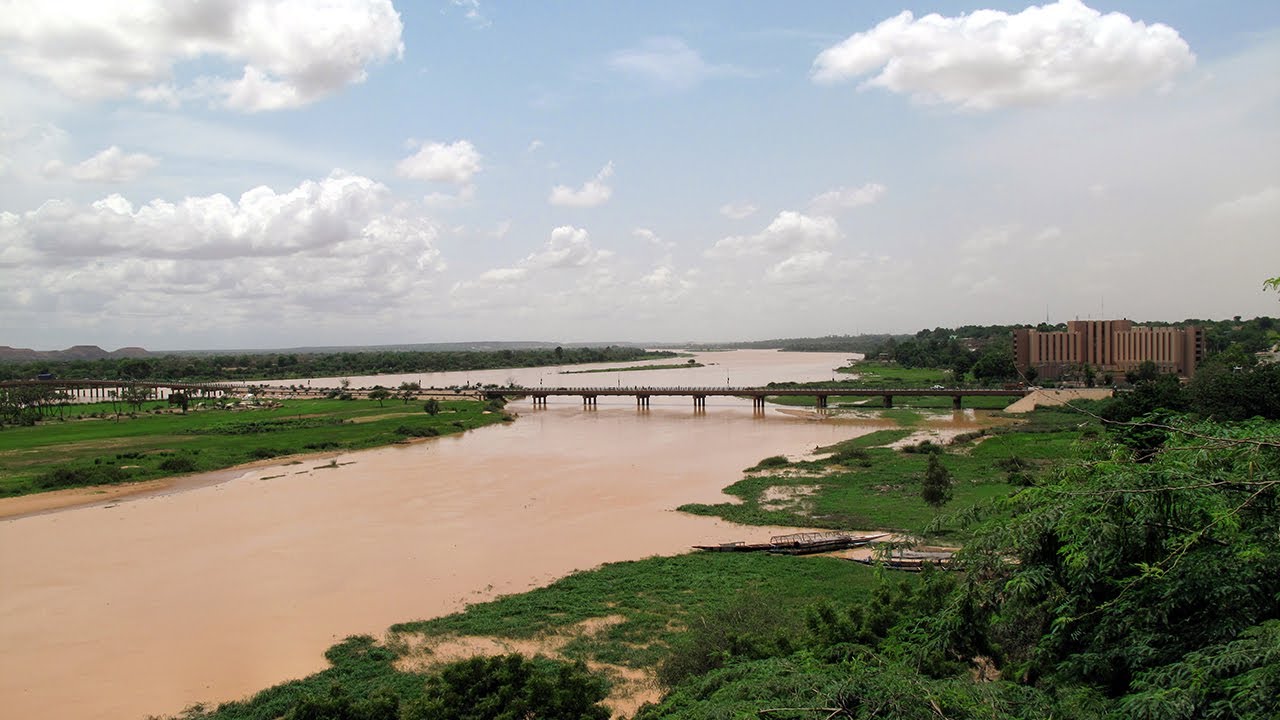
(211, 593)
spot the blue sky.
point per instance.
(262, 173)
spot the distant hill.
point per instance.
(75, 352)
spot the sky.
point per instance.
(281, 173)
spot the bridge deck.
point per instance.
(756, 391)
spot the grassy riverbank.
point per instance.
(871, 373)
(90, 446)
(864, 484)
(619, 619)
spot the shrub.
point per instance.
(927, 447)
(852, 456)
(751, 628)
(407, 431)
(177, 464)
(62, 477)
(773, 461)
(511, 687)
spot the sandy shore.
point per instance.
(12, 508)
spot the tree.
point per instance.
(380, 394)
(511, 687)
(996, 363)
(136, 395)
(181, 399)
(935, 488)
(431, 407)
(408, 391)
(1154, 582)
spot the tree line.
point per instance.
(986, 351)
(283, 366)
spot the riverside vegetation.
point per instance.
(285, 365)
(1111, 568)
(93, 444)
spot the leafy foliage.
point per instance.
(935, 486)
(511, 687)
(1111, 588)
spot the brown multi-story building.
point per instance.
(1108, 346)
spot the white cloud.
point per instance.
(112, 165)
(336, 249)
(790, 231)
(801, 267)
(464, 196)
(568, 247)
(341, 215)
(668, 63)
(503, 275)
(990, 59)
(473, 12)
(592, 193)
(1263, 203)
(455, 163)
(989, 238)
(843, 198)
(738, 212)
(286, 53)
(534, 145)
(652, 238)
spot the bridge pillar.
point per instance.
(955, 402)
(888, 401)
(822, 401)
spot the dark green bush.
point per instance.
(177, 464)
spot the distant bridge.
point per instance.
(757, 394)
(102, 389)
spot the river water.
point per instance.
(146, 606)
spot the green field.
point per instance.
(881, 374)
(90, 446)
(862, 485)
(871, 374)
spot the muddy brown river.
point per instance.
(146, 605)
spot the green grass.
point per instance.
(635, 368)
(75, 452)
(658, 597)
(861, 486)
(881, 374)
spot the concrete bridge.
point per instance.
(757, 394)
(102, 389)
